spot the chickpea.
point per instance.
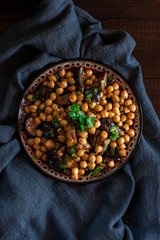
(93, 77)
(103, 102)
(115, 98)
(85, 157)
(111, 114)
(59, 91)
(43, 148)
(34, 115)
(119, 124)
(63, 122)
(48, 110)
(29, 97)
(39, 133)
(51, 84)
(83, 164)
(71, 164)
(49, 144)
(128, 102)
(129, 122)
(109, 95)
(37, 121)
(103, 134)
(132, 108)
(131, 115)
(71, 81)
(45, 83)
(42, 106)
(84, 107)
(110, 163)
(91, 166)
(52, 78)
(80, 152)
(121, 108)
(36, 146)
(98, 116)
(99, 159)
(125, 127)
(61, 138)
(37, 140)
(88, 73)
(116, 92)
(126, 110)
(113, 144)
(122, 153)
(38, 153)
(79, 103)
(75, 171)
(55, 113)
(126, 138)
(116, 104)
(92, 105)
(98, 149)
(54, 107)
(131, 132)
(30, 141)
(37, 103)
(81, 171)
(80, 96)
(49, 118)
(122, 133)
(92, 130)
(104, 114)
(110, 89)
(33, 108)
(59, 117)
(122, 146)
(115, 86)
(44, 157)
(73, 97)
(27, 109)
(108, 106)
(42, 116)
(69, 74)
(98, 108)
(60, 153)
(62, 73)
(82, 141)
(48, 102)
(74, 177)
(92, 158)
(63, 84)
(97, 123)
(78, 159)
(123, 118)
(121, 101)
(52, 96)
(116, 118)
(83, 134)
(71, 88)
(88, 82)
(116, 110)
(120, 140)
(124, 94)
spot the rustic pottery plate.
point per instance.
(94, 66)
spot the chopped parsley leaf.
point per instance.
(57, 75)
(90, 120)
(88, 98)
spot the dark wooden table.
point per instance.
(141, 19)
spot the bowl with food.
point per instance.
(79, 121)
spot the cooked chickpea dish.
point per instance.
(80, 122)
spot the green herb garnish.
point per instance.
(74, 155)
(122, 113)
(82, 128)
(96, 171)
(55, 123)
(63, 166)
(57, 75)
(96, 90)
(114, 130)
(109, 79)
(86, 92)
(112, 151)
(39, 110)
(90, 120)
(73, 150)
(105, 146)
(67, 171)
(88, 98)
(35, 96)
(34, 158)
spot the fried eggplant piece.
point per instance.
(70, 135)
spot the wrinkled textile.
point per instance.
(34, 206)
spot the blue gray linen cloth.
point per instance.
(34, 206)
